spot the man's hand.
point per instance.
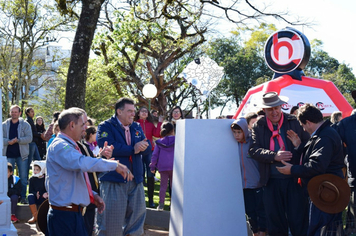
(124, 171)
(293, 136)
(141, 146)
(106, 151)
(99, 203)
(283, 156)
(12, 141)
(45, 195)
(285, 169)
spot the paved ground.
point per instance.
(25, 229)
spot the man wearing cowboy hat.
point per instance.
(285, 204)
(321, 155)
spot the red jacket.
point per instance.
(150, 130)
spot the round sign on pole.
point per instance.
(287, 50)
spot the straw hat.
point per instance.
(329, 193)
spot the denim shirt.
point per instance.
(65, 181)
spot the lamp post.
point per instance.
(149, 91)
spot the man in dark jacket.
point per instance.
(321, 155)
(286, 205)
(347, 131)
(125, 201)
(34, 153)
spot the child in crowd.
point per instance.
(55, 132)
(37, 191)
(250, 176)
(90, 139)
(14, 191)
(162, 159)
(251, 118)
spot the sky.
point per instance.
(333, 22)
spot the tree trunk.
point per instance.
(78, 67)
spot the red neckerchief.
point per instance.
(275, 133)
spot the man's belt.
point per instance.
(73, 208)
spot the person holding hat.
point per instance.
(321, 155)
(285, 203)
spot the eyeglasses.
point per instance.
(144, 111)
(176, 112)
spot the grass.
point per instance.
(167, 200)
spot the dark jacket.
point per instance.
(260, 145)
(41, 144)
(85, 150)
(322, 154)
(14, 186)
(347, 131)
(112, 132)
(37, 185)
(35, 134)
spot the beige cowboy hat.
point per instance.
(271, 99)
(329, 193)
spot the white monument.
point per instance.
(207, 195)
(6, 227)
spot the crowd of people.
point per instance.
(82, 170)
(294, 169)
(120, 149)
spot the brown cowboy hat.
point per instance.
(42, 216)
(271, 99)
(329, 193)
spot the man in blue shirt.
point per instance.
(126, 209)
(68, 187)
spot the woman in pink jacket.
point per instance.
(144, 118)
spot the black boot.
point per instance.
(150, 190)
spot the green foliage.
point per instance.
(53, 99)
(242, 66)
(26, 26)
(146, 45)
(101, 96)
(323, 66)
(320, 62)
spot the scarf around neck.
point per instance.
(275, 133)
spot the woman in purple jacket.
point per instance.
(162, 159)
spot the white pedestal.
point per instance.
(6, 227)
(207, 195)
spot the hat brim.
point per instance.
(282, 100)
(42, 216)
(341, 184)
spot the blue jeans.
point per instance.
(67, 223)
(32, 199)
(146, 159)
(318, 219)
(34, 154)
(23, 172)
